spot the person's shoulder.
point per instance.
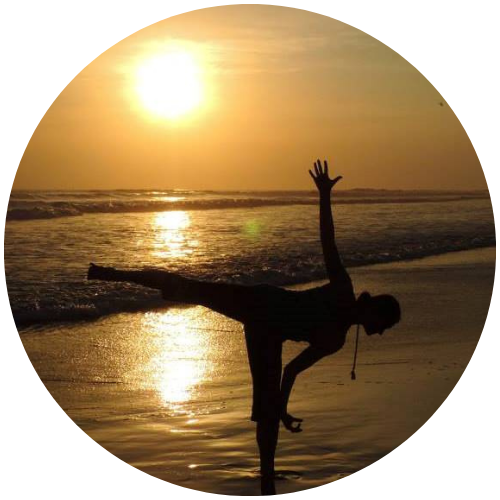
(341, 287)
(347, 284)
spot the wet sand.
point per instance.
(168, 391)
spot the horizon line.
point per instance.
(256, 190)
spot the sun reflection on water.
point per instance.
(180, 364)
(173, 238)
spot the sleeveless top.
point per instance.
(319, 316)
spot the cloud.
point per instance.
(265, 54)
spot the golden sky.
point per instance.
(247, 97)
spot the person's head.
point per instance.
(377, 313)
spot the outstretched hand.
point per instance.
(289, 421)
(321, 178)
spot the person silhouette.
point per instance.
(271, 315)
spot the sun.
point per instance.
(170, 85)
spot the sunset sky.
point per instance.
(247, 97)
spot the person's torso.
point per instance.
(320, 316)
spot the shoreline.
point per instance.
(26, 327)
(168, 391)
(458, 257)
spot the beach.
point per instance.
(246, 146)
(168, 390)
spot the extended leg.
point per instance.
(150, 278)
(242, 303)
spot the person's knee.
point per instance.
(267, 426)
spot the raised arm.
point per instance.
(334, 267)
(304, 360)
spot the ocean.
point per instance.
(245, 237)
(166, 388)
